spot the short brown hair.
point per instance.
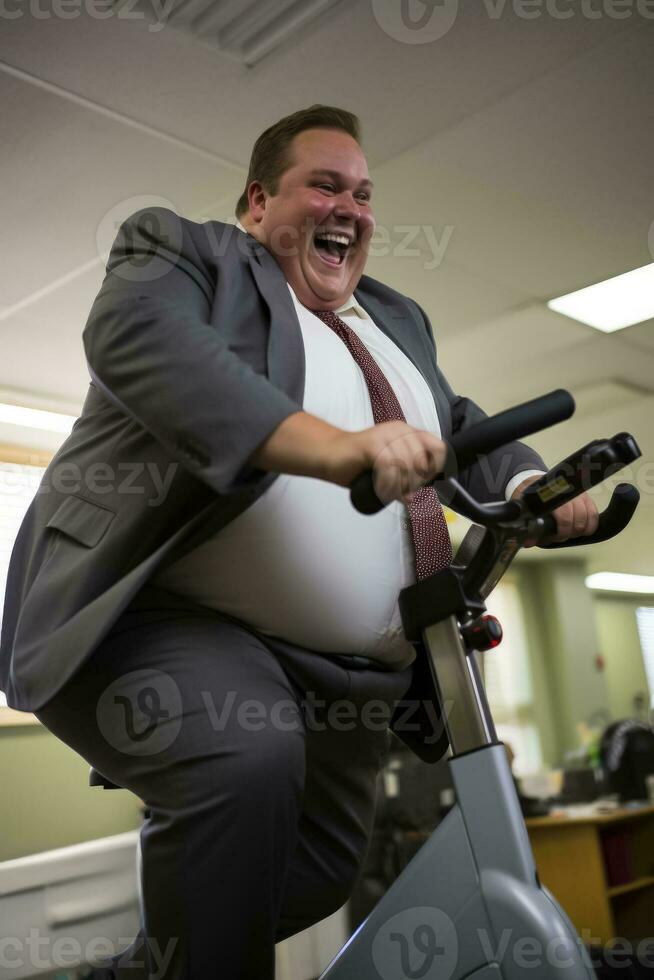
(270, 154)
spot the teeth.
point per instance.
(330, 237)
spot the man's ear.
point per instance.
(256, 200)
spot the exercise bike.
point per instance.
(470, 903)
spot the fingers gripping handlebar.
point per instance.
(613, 520)
(584, 469)
(580, 471)
(464, 447)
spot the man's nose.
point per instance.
(347, 206)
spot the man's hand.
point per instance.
(578, 518)
(400, 456)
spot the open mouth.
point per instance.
(332, 248)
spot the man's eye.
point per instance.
(362, 195)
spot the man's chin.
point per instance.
(329, 285)
(316, 292)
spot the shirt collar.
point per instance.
(349, 306)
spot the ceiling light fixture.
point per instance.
(613, 304)
(620, 582)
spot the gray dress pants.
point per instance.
(257, 761)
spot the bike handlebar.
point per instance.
(464, 447)
(508, 426)
(583, 469)
(579, 472)
(612, 521)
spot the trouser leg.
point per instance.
(345, 744)
(202, 721)
(224, 795)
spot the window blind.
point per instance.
(18, 485)
(508, 681)
(645, 623)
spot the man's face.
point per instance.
(325, 192)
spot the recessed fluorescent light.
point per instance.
(619, 582)
(613, 304)
(35, 418)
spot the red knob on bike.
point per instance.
(483, 633)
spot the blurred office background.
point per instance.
(512, 159)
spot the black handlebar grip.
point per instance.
(514, 423)
(613, 520)
(363, 496)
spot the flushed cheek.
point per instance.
(358, 259)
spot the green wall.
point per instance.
(620, 647)
(45, 799)
(568, 626)
(544, 680)
(564, 647)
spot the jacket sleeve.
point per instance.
(152, 350)
(487, 479)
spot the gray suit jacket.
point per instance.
(196, 356)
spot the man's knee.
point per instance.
(273, 759)
(256, 769)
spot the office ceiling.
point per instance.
(517, 149)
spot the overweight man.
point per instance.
(193, 605)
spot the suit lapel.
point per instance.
(392, 319)
(285, 353)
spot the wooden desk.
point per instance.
(601, 869)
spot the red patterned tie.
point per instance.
(431, 538)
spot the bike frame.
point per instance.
(470, 903)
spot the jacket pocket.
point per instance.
(81, 520)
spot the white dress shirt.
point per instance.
(300, 562)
